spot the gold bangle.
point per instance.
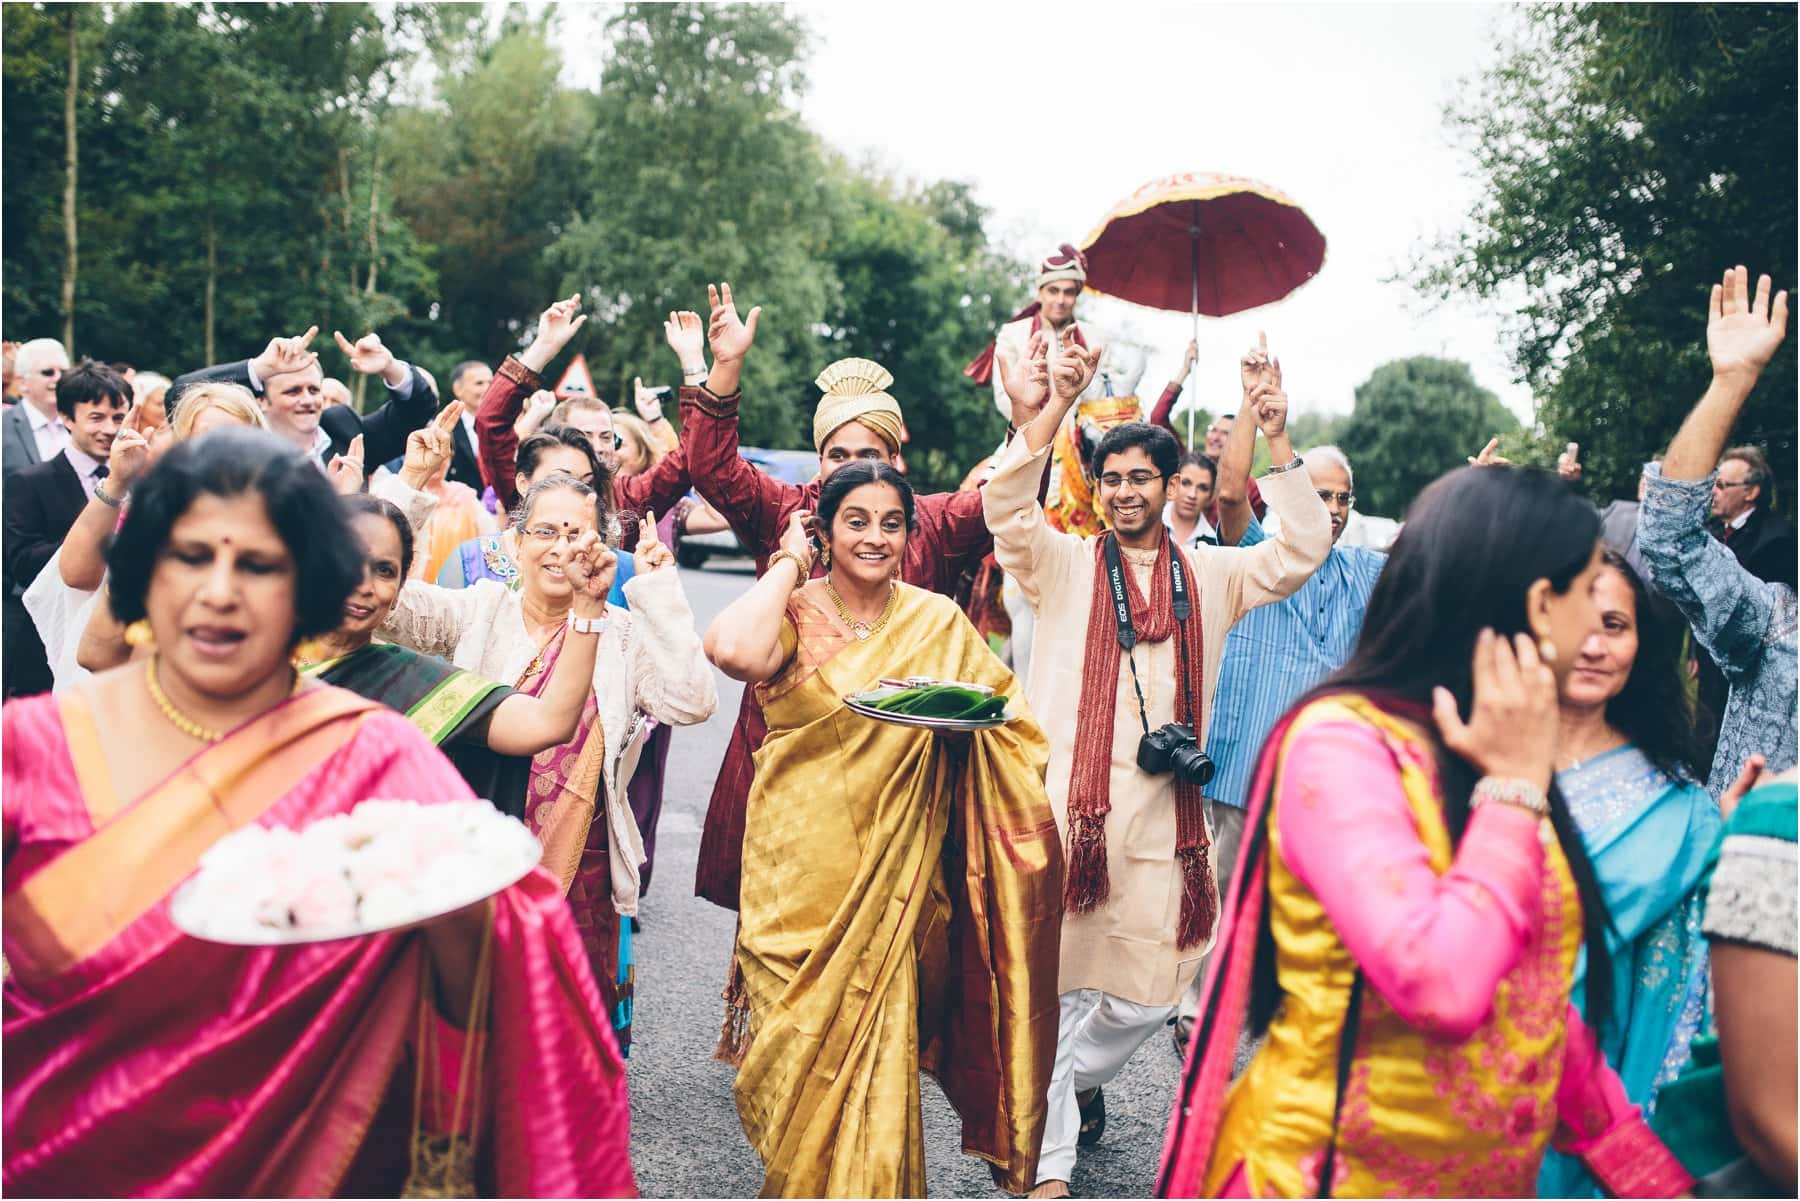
(801, 566)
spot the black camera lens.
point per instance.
(1192, 765)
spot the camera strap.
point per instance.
(1184, 608)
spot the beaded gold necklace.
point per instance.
(177, 718)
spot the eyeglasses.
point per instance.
(1137, 479)
(1729, 484)
(545, 535)
(1343, 498)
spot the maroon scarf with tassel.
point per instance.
(1090, 783)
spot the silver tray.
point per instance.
(520, 853)
(858, 702)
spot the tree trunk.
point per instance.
(344, 190)
(212, 283)
(69, 164)
(374, 214)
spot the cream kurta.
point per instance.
(1012, 342)
(1127, 947)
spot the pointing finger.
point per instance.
(343, 343)
(312, 331)
(647, 530)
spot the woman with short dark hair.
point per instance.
(142, 1061)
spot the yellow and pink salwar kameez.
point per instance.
(1467, 1058)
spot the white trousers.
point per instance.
(1024, 624)
(1096, 1033)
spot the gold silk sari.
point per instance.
(900, 911)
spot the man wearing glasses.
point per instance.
(1762, 541)
(34, 431)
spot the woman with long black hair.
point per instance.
(1413, 894)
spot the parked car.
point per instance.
(789, 466)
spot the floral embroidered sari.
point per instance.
(1648, 837)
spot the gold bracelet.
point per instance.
(800, 565)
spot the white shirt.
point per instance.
(85, 466)
(468, 424)
(1203, 531)
(1737, 523)
(51, 434)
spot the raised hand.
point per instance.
(1742, 335)
(536, 409)
(1027, 382)
(1568, 464)
(686, 336)
(367, 355)
(1488, 457)
(130, 452)
(1188, 358)
(645, 400)
(346, 470)
(1073, 371)
(1270, 405)
(1257, 366)
(1512, 728)
(730, 338)
(591, 567)
(283, 356)
(651, 554)
(556, 325)
(429, 447)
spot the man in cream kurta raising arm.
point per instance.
(1126, 950)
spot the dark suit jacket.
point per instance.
(41, 502)
(18, 446)
(384, 431)
(1765, 546)
(465, 466)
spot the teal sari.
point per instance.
(1648, 836)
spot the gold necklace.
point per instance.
(177, 718)
(862, 629)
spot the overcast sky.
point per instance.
(1055, 111)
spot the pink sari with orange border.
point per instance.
(142, 1062)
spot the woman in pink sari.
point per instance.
(140, 1061)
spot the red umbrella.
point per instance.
(1213, 244)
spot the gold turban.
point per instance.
(854, 391)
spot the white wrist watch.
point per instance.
(587, 625)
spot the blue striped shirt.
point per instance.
(1278, 651)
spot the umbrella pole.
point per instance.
(1194, 274)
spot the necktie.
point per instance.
(101, 472)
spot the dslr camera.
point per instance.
(1174, 748)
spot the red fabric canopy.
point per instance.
(1255, 245)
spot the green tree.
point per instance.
(1629, 154)
(700, 170)
(486, 183)
(1414, 420)
(917, 291)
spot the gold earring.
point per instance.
(138, 633)
(1546, 650)
(825, 557)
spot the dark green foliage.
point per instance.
(1629, 154)
(1414, 420)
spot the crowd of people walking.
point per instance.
(1464, 865)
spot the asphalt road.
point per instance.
(686, 1140)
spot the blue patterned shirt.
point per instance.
(1747, 625)
(1278, 651)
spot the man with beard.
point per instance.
(1126, 774)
